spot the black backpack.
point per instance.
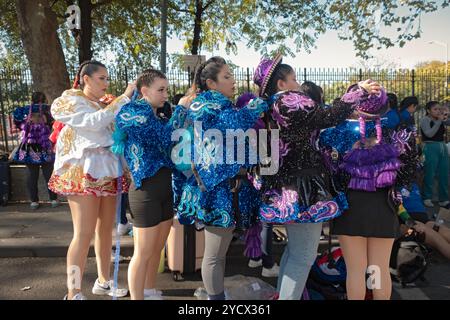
(409, 259)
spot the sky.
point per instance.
(331, 52)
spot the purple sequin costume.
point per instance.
(35, 146)
(301, 190)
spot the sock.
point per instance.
(150, 292)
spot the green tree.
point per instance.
(369, 24)
(130, 28)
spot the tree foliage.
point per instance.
(130, 29)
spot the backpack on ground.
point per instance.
(327, 277)
(409, 259)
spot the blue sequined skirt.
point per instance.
(215, 208)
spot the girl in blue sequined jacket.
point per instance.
(218, 193)
(144, 135)
(207, 195)
(145, 138)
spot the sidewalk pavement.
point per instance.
(47, 232)
(33, 247)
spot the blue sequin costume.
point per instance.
(148, 138)
(214, 205)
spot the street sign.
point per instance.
(192, 61)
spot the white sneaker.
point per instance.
(444, 203)
(152, 294)
(254, 264)
(124, 229)
(272, 272)
(78, 296)
(428, 203)
(34, 205)
(103, 289)
(55, 203)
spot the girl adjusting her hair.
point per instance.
(86, 171)
(301, 194)
(220, 197)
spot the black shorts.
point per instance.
(153, 202)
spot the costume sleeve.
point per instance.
(295, 108)
(216, 118)
(77, 112)
(178, 117)
(213, 117)
(405, 142)
(140, 121)
(428, 129)
(20, 115)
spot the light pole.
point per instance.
(162, 61)
(445, 45)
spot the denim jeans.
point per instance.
(297, 259)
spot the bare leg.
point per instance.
(443, 230)
(379, 253)
(354, 250)
(437, 241)
(153, 263)
(84, 210)
(144, 239)
(103, 237)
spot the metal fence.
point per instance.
(16, 86)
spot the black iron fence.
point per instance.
(16, 86)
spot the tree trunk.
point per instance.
(38, 30)
(197, 27)
(85, 52)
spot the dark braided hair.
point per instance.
(313, 91)
(408, 101)
(207, 70)
(392, 101)
(38, 97)
(280, 73)
(88, 67)
(146, 78)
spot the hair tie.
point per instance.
(379, 130)
(76, 82)
(362, 129)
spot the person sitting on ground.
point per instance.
(434, 235)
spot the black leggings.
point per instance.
(33, 178)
